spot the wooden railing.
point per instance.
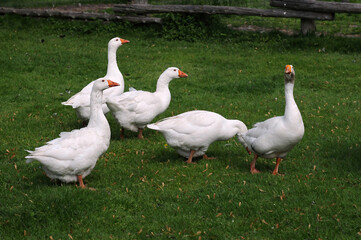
(307, 10)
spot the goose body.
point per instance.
(81, 100)
(73, 155)
(276, 136)
(135, 109)
(191, 133)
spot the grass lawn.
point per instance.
(143, 188)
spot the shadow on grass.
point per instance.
(342, 156)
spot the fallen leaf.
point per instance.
(283, 196)
(140, 231)
(70, 236)
(264, 221)
(219, 214)
(261, 190)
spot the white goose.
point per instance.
(276, 136)
(135, 109)
(191, 133)
(81, 100)
(73, 155)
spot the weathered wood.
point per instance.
(318, 6)
(207, 9)
(77, 15)
(139, 1)
(308, 26)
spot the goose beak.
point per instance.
(112, 84)
(124, 41)
(288, 69)
(182, 74)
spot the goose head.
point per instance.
(289, 73)
(102, 84)
(174, 72)
(116, 42)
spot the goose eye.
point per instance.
(103, 80)
(117, 39)
(174, 70)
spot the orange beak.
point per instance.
(123, 41)
(112, 84)
(288, 69)
(182, 74)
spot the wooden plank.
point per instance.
(318, 6)
(77, 15)
(207, 9)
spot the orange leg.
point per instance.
(253, 165)
(80, 180)
(249, 152)
(190, 157)
(140, 133)
(275, 171)
(122, 133)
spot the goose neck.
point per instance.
(97, 118)
(291, 107)
(112, 68)
(232, 128)
(163, 83)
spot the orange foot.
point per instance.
(255, 171)
(277, 174)
(208, 158)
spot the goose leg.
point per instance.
(140, 133)
(275, 171)
(80, 180)
(190, 156)
(122, 133)
(249, 152)
(253, 165)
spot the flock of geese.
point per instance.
(73, 155)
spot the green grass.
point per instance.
(144, 189)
